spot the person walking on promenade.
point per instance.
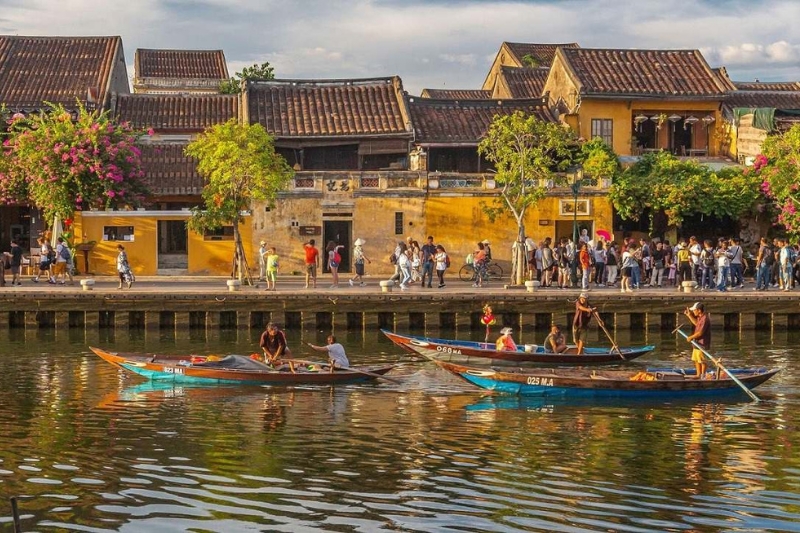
(658, 255)
(701, 335)
(763, 264)
(334, 260)
(479, 261)
(627, 265)
(46, 257)
(707, 261)
(547, 263)
(272, 268)
(16, 263)
(737, 263)
(428, 260)
(262, 261)
(404, 262)
(694, 254)
(612, 263)
(723, 266)
(358, 260)
(394, 258)
(336, 354)
(312, 262)
(684, 260)
(580, 322)
(586, 265)
(442, 261)
(599, 263)
(786, 258)
(123, 267)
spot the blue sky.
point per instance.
(432, 43)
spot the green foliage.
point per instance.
(529, 61)
(660, 182)
(599, 160)
(779, 168)
(257, 72)
(526, 153)
(240, 165)
(61, 163)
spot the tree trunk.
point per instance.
(521, 258)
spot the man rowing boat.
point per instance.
(336, 354)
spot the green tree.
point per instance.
(662, 183)
(599, 160)
(257, 72)
(240, 166)
(527, 153)
(779, 168)
(62, 164)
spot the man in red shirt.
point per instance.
(312, 262)
(702, 335)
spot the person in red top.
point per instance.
(586, 266)
(312, 262)
(505, 342)
(702, 335)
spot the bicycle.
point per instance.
(494, 272)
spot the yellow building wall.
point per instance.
(206, 257)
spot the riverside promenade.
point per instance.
(205, 302)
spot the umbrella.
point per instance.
(604, 234)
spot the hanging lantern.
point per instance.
(690, 121)
(655, 118)
(638, 119)
(708, 119)
(674, 118)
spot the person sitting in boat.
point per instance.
(555, 342)
(336, 354)
(505, 342)
(273, 342)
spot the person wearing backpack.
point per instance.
(334, 260)
(707, 261)
(63, 259)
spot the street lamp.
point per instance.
(577, 181)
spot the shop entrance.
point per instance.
(173, 250)
(340, 232)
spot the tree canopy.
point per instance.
(779, 170)
(240, 166)
(233, 85)
(527, 153)
(62, 163)
(661, 183)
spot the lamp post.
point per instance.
(577, 179)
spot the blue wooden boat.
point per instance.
(528, 353)
(574, 382)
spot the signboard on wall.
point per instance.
(308, 231)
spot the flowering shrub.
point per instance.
(779, 169)
(63, 164)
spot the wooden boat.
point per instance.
(528, 353)
(235, 369)
(573, 382)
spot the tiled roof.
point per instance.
(542, 53)
(168, 171)
(328, 108)
(456, 94)
(60, 70)
(182, 64)
(646, 73)
(722, 76)
(465, 121)
(176, 113)
(774, 99)
(767, 85)
(524, 82)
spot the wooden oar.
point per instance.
(352, 369)
(719, 365)
(603, 327)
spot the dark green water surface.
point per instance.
(87, 448)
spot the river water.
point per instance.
(87, 448)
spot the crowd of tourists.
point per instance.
(637, 263)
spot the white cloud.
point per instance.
(428, 43)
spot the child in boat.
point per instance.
(505, 342)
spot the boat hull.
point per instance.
(180, 369)
(589, 383)
(463, 350)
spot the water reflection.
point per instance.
(90, 448)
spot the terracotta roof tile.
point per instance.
(60, 70)
(722, 76)
(542, 53)
(524, 82)
(328, 108)
(775, 99)
(661, 73)
(168, 171)
(767, 85)
(183, 64)
(456, 94)
(172, 113)
(465, 121)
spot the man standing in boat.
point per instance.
(580, 323)
(273, 342)
(702, 335)
(336, 354)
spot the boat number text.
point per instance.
(543, 382)
(173, 370)
(448, 349)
